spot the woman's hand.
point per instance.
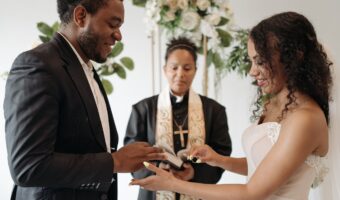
(186, 174)
(205, 154)
(163, 180)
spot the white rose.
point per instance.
(169, 16)
(189, 20)
(182, 4)
(203, 4)
(213, 19)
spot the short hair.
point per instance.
(181, 43)
(66, 7)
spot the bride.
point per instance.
(286, 145)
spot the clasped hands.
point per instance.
(165, 180)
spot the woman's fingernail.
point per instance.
(198, 161)
(146, 164)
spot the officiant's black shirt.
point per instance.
(179, 113)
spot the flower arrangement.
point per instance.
(110, 67)
(193, 19)
(208, 23)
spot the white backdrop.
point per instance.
(18, 33)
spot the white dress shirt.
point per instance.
(97, 95)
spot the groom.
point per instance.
(60, 133)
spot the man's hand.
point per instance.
(130, 158)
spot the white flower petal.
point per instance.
(190, 20)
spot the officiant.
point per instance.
(179, 118)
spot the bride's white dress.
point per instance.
(257, 141)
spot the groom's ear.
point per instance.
(79, 15)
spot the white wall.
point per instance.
(18, 33)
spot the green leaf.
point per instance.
(209, 58)
(238, 57)
(117, 49)
(140, 3)
(223, 21)
(217, 60)
(225, 37)
(200, 50)
(106, 70)
(107, 86)
(55, 26)
(119, 70)
(44, 38)
(128, 63)
(45, 29)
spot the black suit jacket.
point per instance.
(142, 126)
(55, 142)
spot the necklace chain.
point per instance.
(185, 119)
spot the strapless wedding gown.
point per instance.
(257, 141)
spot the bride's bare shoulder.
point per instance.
(308, 122)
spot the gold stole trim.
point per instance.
(164, 130)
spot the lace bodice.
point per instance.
(258, 140)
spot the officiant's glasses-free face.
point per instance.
(180, 70)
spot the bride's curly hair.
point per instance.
(306, 65)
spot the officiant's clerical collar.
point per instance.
(178, 99)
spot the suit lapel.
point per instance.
(113, 130)
(77, 74)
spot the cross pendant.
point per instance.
(181, 132)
